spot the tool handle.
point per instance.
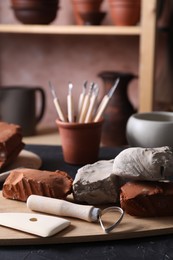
(84, 108)
(89, 114)
(58, 109)
(62, 208)
(80, 105)
(101, 108)
(70, 108)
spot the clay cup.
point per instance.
(80, 141)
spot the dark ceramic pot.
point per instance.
(92, 18)
(18, 105)
(35, 11)
(35, 16)
(118, 110)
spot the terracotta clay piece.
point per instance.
(21, 183)
(10, 143)
(100, 183)
(147, 198)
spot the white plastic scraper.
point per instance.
(36, 224)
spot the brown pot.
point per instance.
(118, 110)
(85, 6)
(80, 141)
(125, 12)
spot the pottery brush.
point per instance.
(105, 101)
(81, 99)
(70, 104)
(56, 103)
(86, 103)
(92, 104)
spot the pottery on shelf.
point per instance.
(85, 7)
(119, 108)
(34, 3)
(35, 11)
(92, 18)
(125, 12)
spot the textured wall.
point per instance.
(35, 59)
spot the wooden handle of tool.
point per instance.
(62, 208)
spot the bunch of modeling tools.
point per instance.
(88, 108)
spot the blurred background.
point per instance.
(31, 59)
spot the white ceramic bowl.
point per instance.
(152, 129)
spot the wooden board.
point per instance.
(82, 231)
(25, 159)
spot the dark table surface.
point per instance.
(159, 248)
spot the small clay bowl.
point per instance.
(92, 18)
(152, 129)
(35, 16)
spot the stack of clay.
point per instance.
(136, 178)
(10, 143)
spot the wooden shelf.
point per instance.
(147, 44)
(72, 29)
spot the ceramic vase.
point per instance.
(83, 7)
(125, 12)
(118, 110)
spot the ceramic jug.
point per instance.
(119, 108)
(18, 105)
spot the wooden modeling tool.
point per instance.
(105, 102)
(70, 104)
(57, 104)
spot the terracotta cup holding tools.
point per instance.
(80, 141)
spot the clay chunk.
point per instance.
(147, 198)
(23, 182)
(136, 163)
(96, 183)
(10, 143)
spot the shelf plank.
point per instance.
(147, 55)
(71, 29)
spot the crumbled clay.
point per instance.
(96, 184)
(138, 163)
(99, 183)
